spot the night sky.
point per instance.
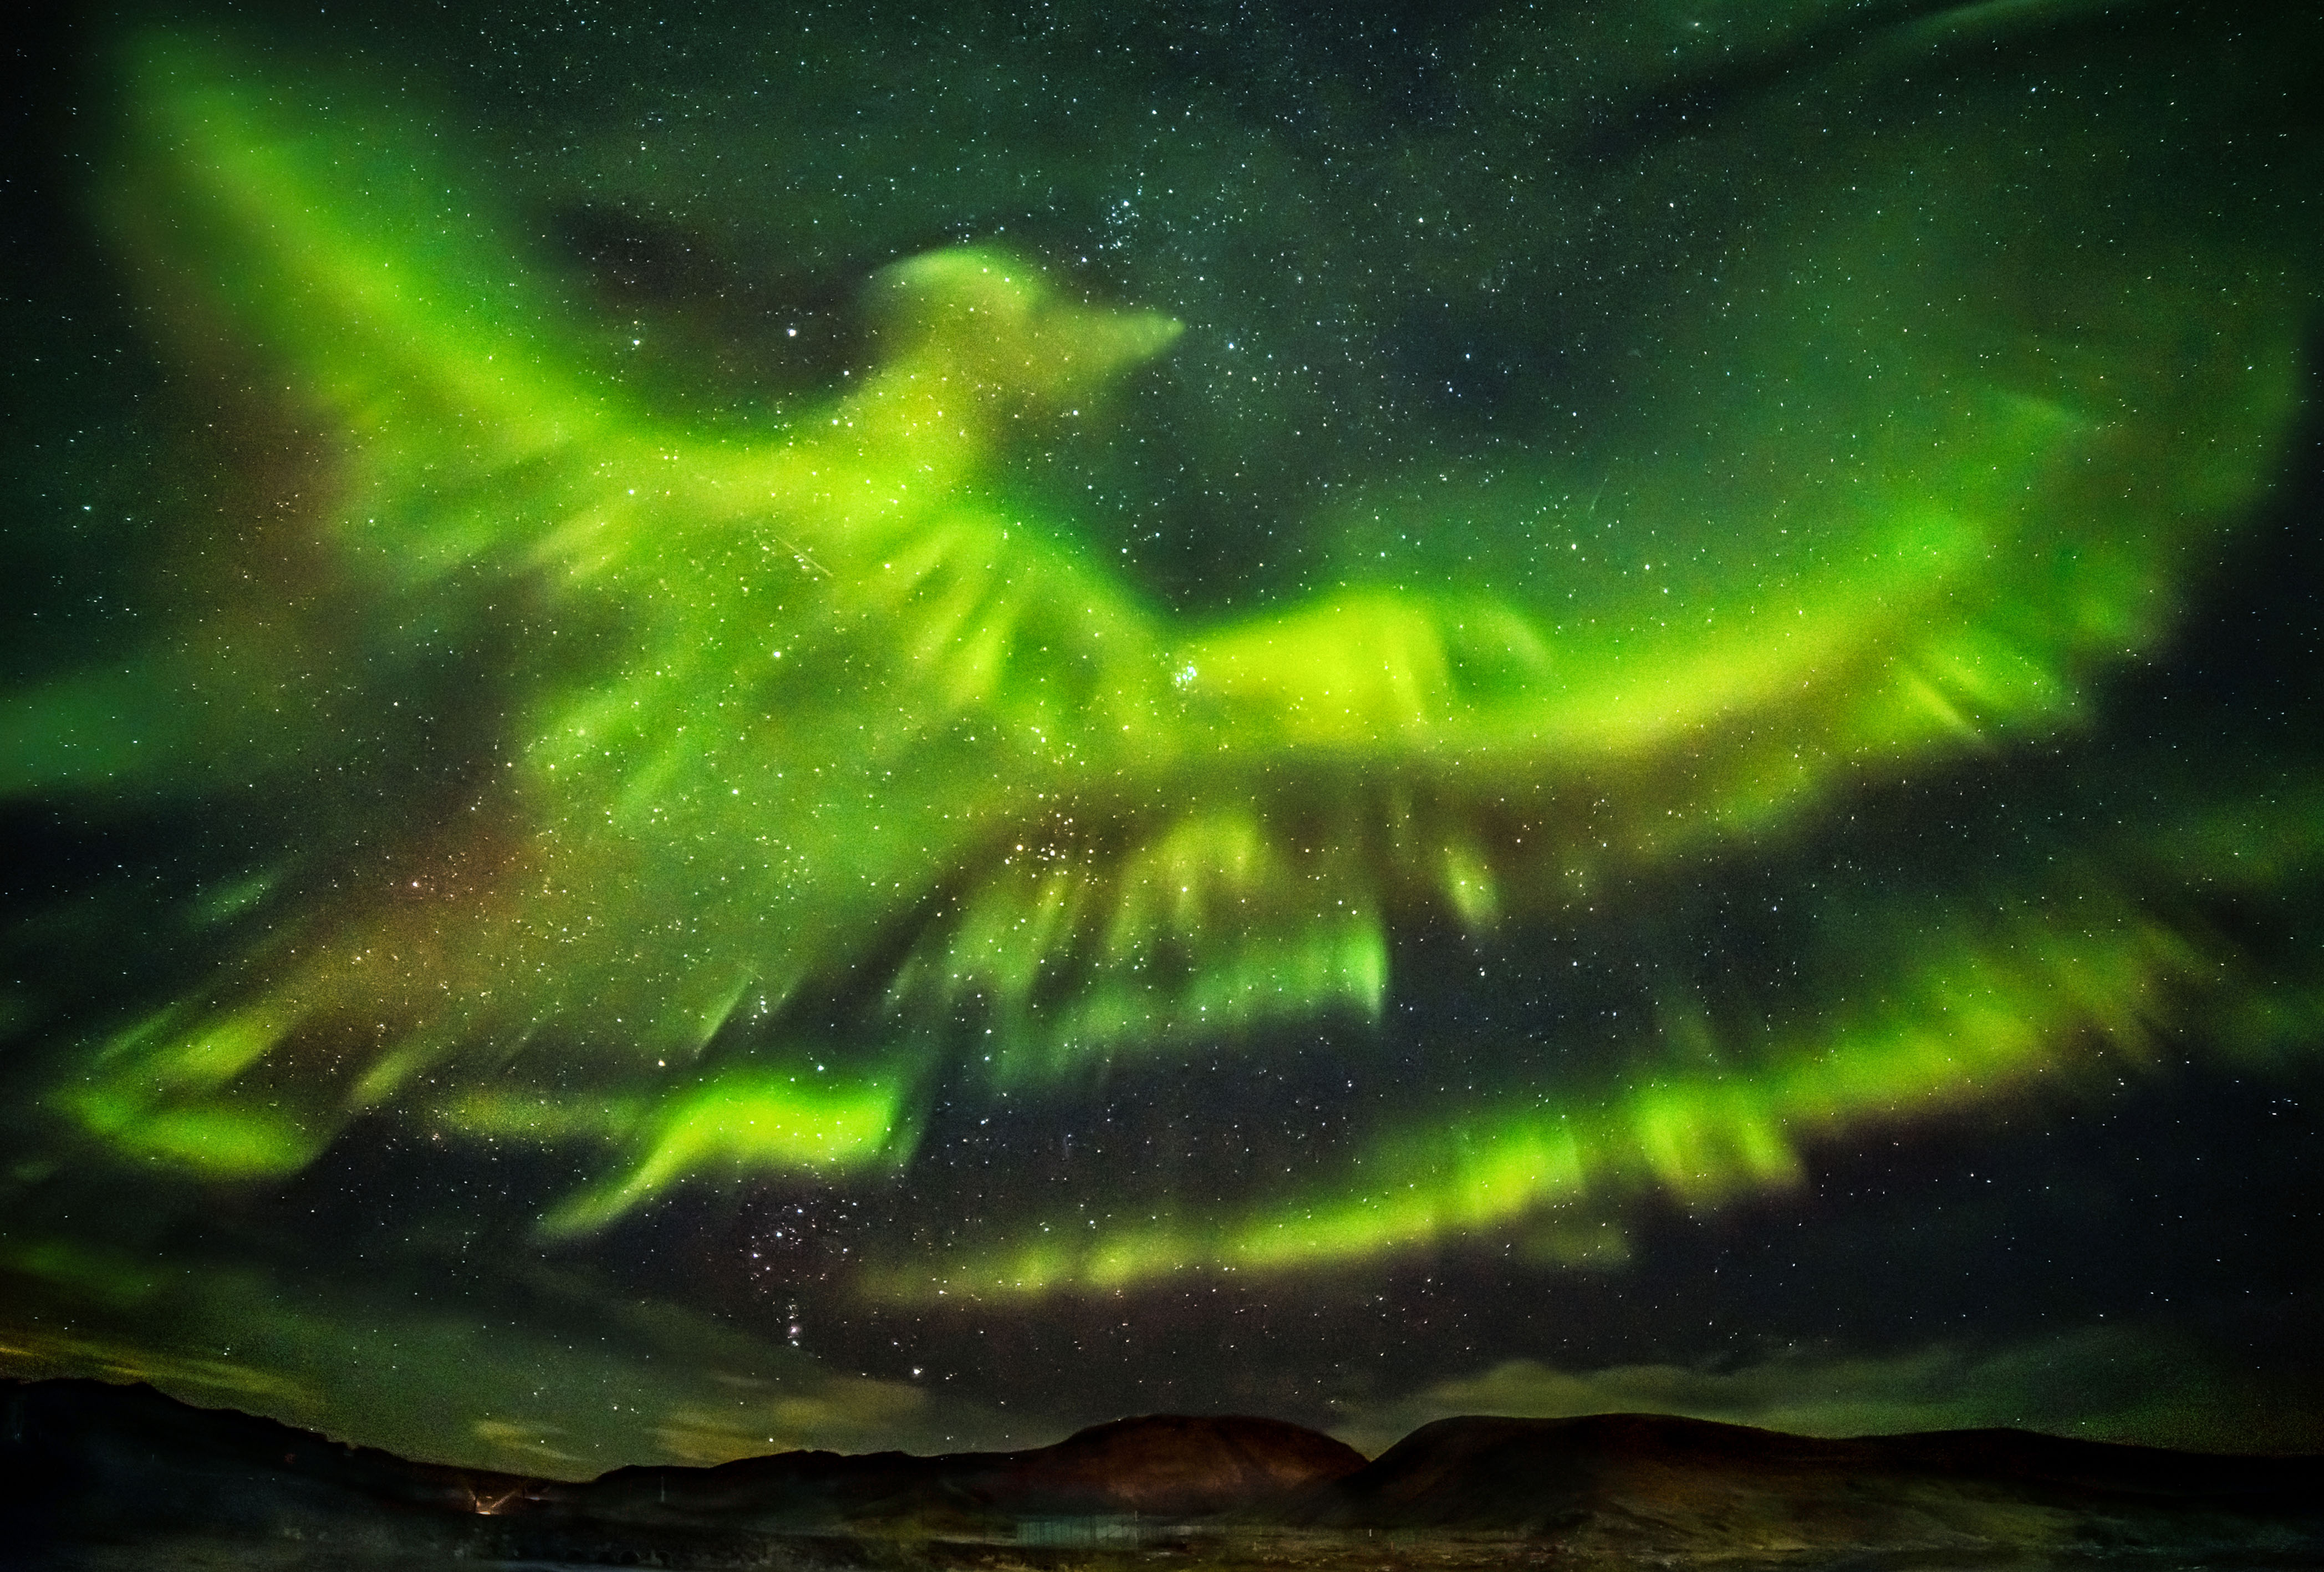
(740, 726)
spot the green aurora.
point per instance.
(723, 792)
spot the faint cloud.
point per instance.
(2102, 1382)
(500, 1376)
(521, 1446)
(34, 1355)
(843, 1414)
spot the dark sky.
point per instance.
(734, 727)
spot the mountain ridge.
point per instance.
(82, 1462)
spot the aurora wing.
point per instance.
(798, 714)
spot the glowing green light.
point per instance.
(808, 699)
(1994, 1012)
(742, 1123)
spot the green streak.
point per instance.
(782, 696)
(2062, 983)
(743, 1123)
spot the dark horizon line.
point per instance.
(14, 1386)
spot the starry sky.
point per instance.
(740, 726)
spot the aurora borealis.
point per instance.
(756, 727)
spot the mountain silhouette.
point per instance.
(1158, 1465)
(88, 1470)
(1627, 1484)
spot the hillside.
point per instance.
(102, 1477)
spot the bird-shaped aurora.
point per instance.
(809, 768)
